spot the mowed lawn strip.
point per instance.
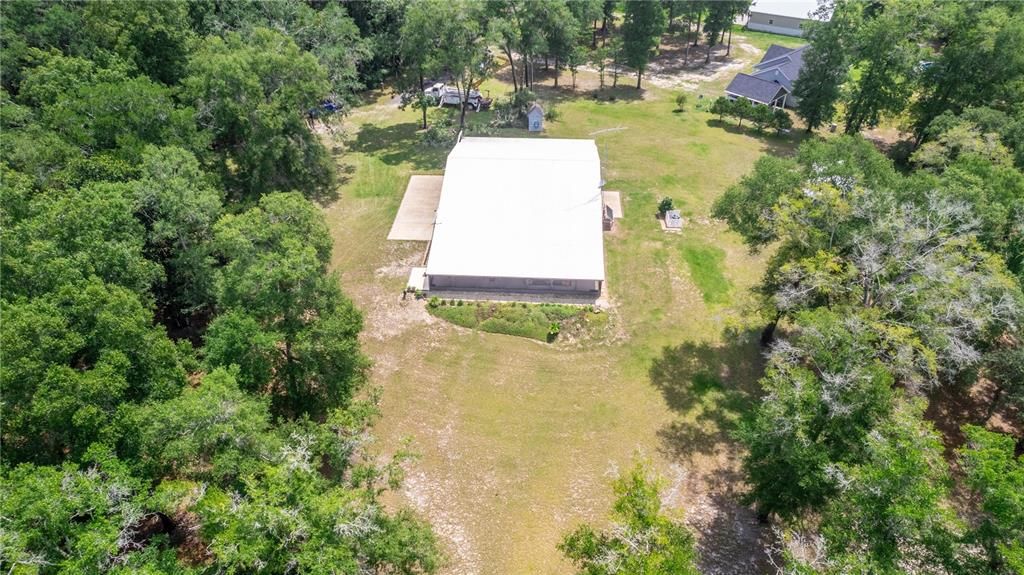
(706, 270)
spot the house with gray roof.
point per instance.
(771, 83)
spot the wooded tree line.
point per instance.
(894, 290)
(920, 59)
(181, 374)
(453, 39)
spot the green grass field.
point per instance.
(519, 439)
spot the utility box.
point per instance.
(535, 118)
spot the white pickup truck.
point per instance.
(451, 96)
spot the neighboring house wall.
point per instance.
(785, 25)
(547, 285)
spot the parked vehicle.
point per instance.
(446, 95)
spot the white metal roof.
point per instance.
(791, 8)
(520, 207)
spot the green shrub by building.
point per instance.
(536, 321)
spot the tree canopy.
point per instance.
(183, 387)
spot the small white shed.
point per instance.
(535, 118)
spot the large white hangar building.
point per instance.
(519, 214)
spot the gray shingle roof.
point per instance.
(754, 89)
(774, 51)
(789, 61)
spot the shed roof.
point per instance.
(520, 207)
(755, 89)
(535, 107)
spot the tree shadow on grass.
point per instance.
(710, 388)
(398, 144)
(564, 93)
(733, 539)
(778, 145)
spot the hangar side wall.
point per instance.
(541, 285)
(785, 25)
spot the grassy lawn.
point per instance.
(518, 438)
(765, 39)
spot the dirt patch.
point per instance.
(950, 407)
(729, 534)
(431, 498)
(673, 68)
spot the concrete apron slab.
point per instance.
(415, 218)
(614, 201)
(416, 279)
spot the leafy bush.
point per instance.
(665, 205)
(536, 321)
(681, 99)
(723, 107)
(434, 301)
(552, 114)
(512, 112)
(441, 133)
(761, 116)
(781, 121)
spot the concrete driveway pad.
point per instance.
(415, 218)
(614, 201)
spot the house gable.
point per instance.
(756, 89)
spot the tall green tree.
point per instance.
(720, 16)
(886, 42)
(276, 275)
(420, 53)
(178, 206)
(252, 93)
(465, 54)
(642, 28)
(153, 38)
(89, 519)
(42, 253)
(857, 234)
(562, 31)
(996, 474)
(973, 36)
(213, 432)
(71, 358)
(642, 540)
(827, 387)
(105, 109)
(290, 517)
(892, 510)
(825, 70)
